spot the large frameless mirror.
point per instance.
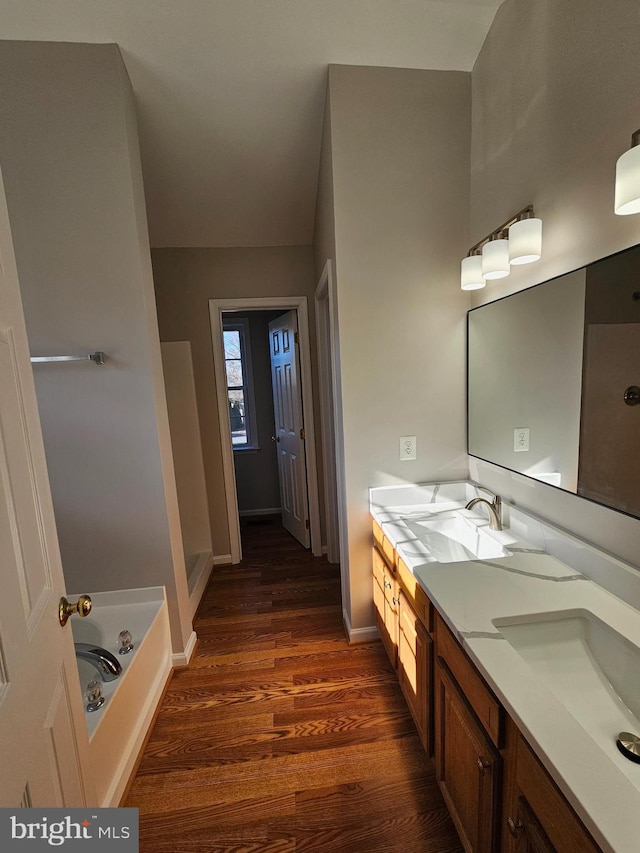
(553, 382)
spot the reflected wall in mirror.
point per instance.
(548, 368)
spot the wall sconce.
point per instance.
(517, 241)
(628, 179)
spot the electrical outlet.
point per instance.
(521, 439)
(407, 447)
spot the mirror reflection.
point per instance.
(551, 373)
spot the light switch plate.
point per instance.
(520, 439)
(407, 447)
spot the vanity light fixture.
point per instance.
(627, 199)
(516, 241)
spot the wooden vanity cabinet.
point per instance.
(500, 797)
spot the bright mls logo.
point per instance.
(72, 829)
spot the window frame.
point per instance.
(242, 326)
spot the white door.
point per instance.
(609, 428)
(40, 701)
(289, 423)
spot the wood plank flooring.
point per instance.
(280, 737)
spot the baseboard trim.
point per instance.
(274, 510)
(358, 635)
(200, 579)
(222, 560)
(182, 659)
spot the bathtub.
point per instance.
(117, 730)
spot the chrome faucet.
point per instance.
(494, 507)
(107, 665)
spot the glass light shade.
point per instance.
(495, 259)
(471, 273)
(525, 241)
(628, 182)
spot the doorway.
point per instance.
(239, 430)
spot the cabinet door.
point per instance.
(525, 828)
(536, 812)
(415, 669)
(467, 767)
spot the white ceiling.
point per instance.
(230, 94)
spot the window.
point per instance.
(237, 360)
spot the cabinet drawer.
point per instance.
(384, 545)
(479, 696)
(415, 593)
(552, 811)
(378, 566)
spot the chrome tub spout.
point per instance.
(107, 665)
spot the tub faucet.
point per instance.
(494, 507)
(107, 665)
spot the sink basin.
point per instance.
(589, 667)
(455, 538)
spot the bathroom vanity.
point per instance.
(518, 651)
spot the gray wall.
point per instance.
(185, 280)
(257, 470)
(72, 175)
(400, 165)
(554, 105)
(186, 447)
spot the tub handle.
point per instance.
(82, 607)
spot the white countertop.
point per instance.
(552, 572)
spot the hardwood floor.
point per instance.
(280, 737)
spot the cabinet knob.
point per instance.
(483, 765)
(395, 600)
(387, 585)
(514, 826)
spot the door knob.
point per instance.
(632, 395)
(275, 438)
(65, 608)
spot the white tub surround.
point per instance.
(117, 730)
(545, 574)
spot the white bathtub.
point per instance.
(117, 730)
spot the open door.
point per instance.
(289, 434)
(43, 740)
(609, 428)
